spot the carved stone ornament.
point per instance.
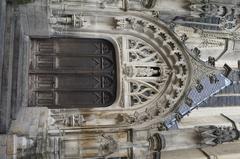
(74, 20)
(108, 145)
(145, 72)
(212, 135)
(200, 70)
(227, 14)
(149, 71)
(74, 120)
(156, 142)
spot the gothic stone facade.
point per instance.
(113, 78)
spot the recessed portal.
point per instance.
(72, 73)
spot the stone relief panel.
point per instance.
(226, 15)
(62, 119)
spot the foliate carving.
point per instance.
(183, 37)
(211, 61)
(156, 14)
(125, 118)
(144, 116)
(108, 145)
(213, 135)
(121, 23)
(127, 23)
(79, 21)
(196, 52)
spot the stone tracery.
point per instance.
(145, 72)
(154, 75)
(155, 67)
(177, 68)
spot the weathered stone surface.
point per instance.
(6, 57)
(34, 19)
(3, 140)
(11, 145)
(3, 153)
(29, 121)
(155, 66)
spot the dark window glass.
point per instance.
(72, 73)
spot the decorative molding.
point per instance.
(156, 142)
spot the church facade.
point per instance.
(119, 79)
